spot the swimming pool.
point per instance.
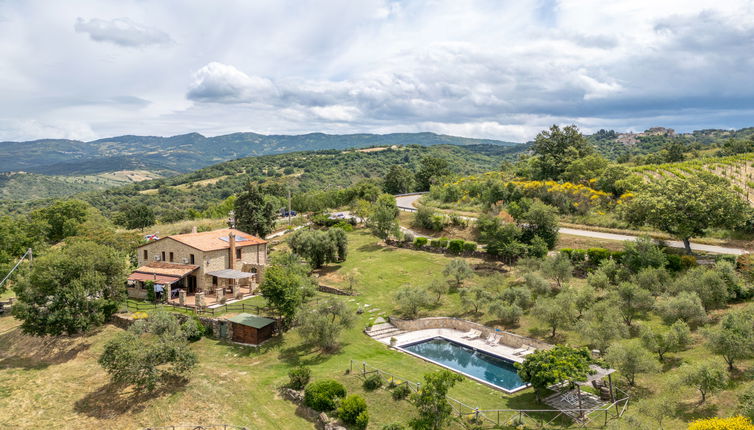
(476, 364)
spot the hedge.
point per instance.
(455, 246)
(421, 241)
(469, 246)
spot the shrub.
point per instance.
(434, 243)
(372, 382)
(455, 246)
(617, 256)
(673, 263)
(393, 426)
(596, 255)
(688, 261)
(408, 237)
(469, 246)
(578, 256)
(299, 377)
(567, 252)
(401, 392)
(151, 296)
(346, 226)
(732, 423)
(420, 241)
(194, 329)
(362, 420)
(443, 242)
(321, 395)
(351, 408)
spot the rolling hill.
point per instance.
(187, 152)
(297, 171)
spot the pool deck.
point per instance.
(456, 336)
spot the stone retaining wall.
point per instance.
(509, 339)
(333, 290)
(213, 325)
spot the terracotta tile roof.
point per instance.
(216, 239)
(167, 269)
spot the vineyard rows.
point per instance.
(738, 169)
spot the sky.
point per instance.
(474, 68)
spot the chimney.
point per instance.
(232, 250)
(193, 229)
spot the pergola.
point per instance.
(576, 407)
(231, 274)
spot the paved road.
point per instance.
(406, 203)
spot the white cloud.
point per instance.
(478, 68)
(336, 112)
(221, 83)
(121, 31)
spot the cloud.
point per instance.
(222, 83)
(122, 32)
(481, 68)
(336, 112)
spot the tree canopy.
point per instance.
(70, 290)
(151, 352)
(254, 212)
(546, 367)
(555, 149)
(686, 206)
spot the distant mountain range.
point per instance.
(183, 153)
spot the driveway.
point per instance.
(406, 203)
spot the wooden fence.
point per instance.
(596, 418)
(233, 307)
(199, 427)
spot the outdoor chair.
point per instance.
(472, 334)
(493, 340)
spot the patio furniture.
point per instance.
(526, 349)
(472, 334)
(492, 340)
(571, 398)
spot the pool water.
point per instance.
(477, 364)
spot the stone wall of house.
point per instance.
(180, 252)
(509, 339)
(136, 292)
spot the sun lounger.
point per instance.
(527, 349)
(472, 334)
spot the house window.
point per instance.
(191, 258)
(214, 280)
(146, 254)
(163, 256)
(238, 253)
(171, 257)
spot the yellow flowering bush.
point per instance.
(732, 423)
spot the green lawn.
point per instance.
(237, 385)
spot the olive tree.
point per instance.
(150, 353)
(630, 358)
(321, 324)
(458, 270)
(707, 377)
(675, 339)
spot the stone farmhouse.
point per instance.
(200, 269)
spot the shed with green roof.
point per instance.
(251, 329)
